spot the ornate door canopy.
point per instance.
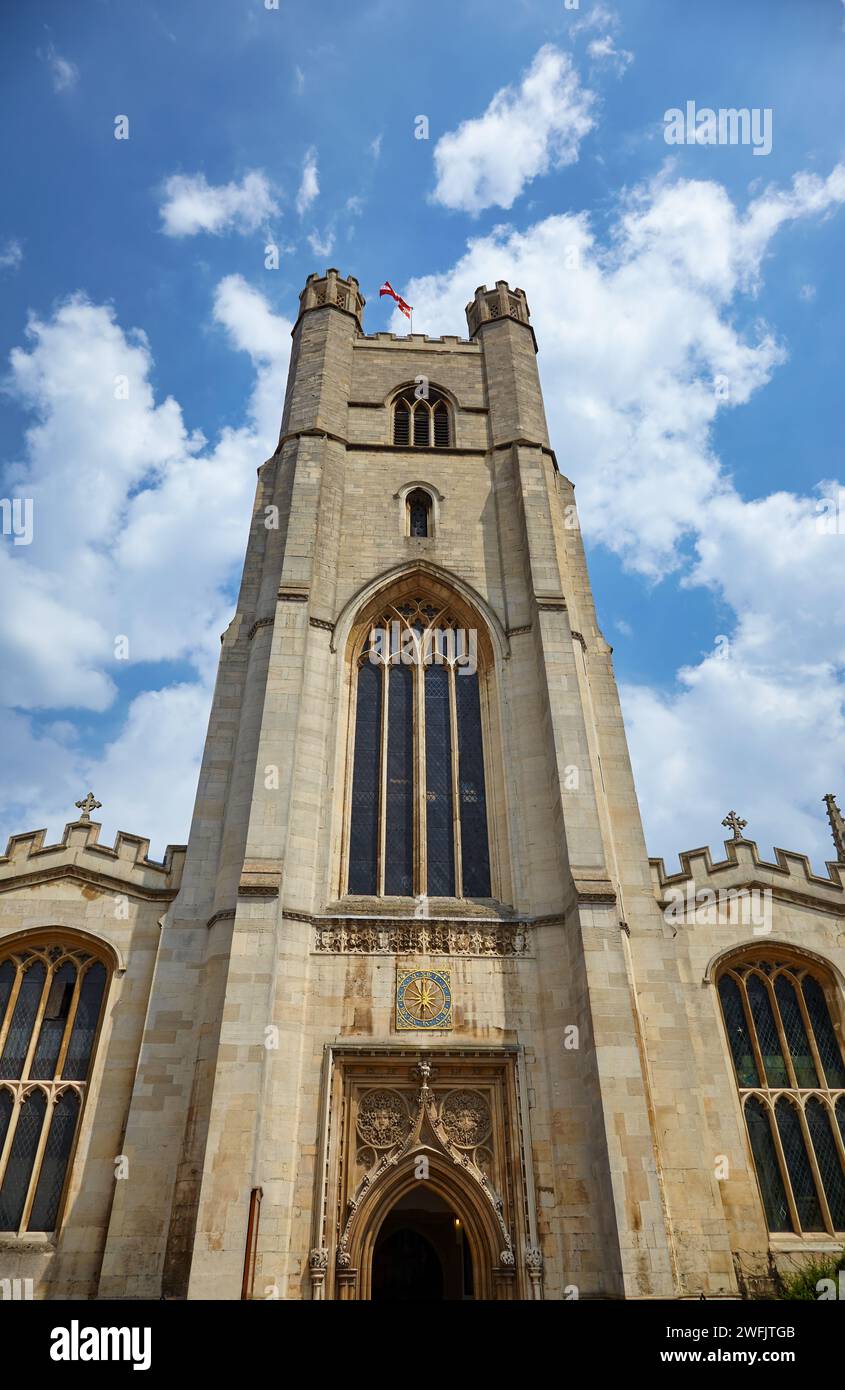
(448, 1120)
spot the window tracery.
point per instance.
(418, 815)
(779, 1018)
(51, 1003)
(421, 422)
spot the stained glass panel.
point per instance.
(7, 979)
(22, 1156)
(796, 1033)
(826, 1041)
(78, 1057)
(766, 1163)
(767, 1034)
(418, 509)
(45, 1206)
(54, 1022)
(475, 851)
(20, 1029)
(737, 1031)
(399, 828)
(6, 1103)
(798, 1166)
(833, 1180)
(364, 821)
(438, 784)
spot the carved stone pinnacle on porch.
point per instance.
(735, 823)
(86, 806)
(837, 826)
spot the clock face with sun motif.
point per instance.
(424, 999)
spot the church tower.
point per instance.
(393, 1009)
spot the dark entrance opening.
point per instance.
(421, 1252)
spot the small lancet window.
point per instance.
(422, 422)
(418, 510)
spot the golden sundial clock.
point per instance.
(423, 999)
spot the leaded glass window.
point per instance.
(51, 1004)
(422, 422)
(779, 1017)
(418, 510)
(418, 814)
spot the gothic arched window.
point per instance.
(779, 1018)
(421, 422)
(418, 814)
(418, 512)
(51, 1003)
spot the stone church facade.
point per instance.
(413, 1014)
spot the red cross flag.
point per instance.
(387, 288)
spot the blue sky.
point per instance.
(651, 270)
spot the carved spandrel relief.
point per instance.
(383, 1119)
(465, 1116)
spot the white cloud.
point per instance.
(192, 205)
(252, 327)
(638, 337)
(523, 133)
(139, 529)
(63, 72)
(605, 50)
(375, 147)
(593, 16)
(321, 245)
(46, 772)
(299, 80)
(309, 186)
(807, 293)
(11, 255)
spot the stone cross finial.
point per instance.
(734, 823)
(837, 826)
(87, 806)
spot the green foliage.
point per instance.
(801, 1284)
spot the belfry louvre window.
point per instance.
(787, 1055)
(421, 423)
(418, 814)
(51, 1002)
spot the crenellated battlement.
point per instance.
(80, 855)
(790, 874)
(332, 290)
(411, 341)
(499, 303)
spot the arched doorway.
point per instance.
(426, 1182)
(421, 1252)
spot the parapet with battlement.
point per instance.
(789, 876)
(124, 866)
